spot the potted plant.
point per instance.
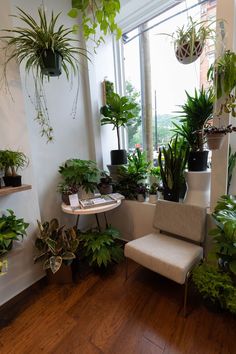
(102, 248)
(222, 73)
(215, 287)
(11, 161)
(142, 191)
(131, 175)
(11, 229)
(45, 51)
(194, 113)
(66, 190)
(119, 112)
(153, 193)
(105, 185)
(80, 174)
(57, 247)
(172, 161)
(96, 16)
(189, 40)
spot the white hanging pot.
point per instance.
(215, 141)
(187, 53)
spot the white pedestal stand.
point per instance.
(198, 188)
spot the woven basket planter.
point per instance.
(186, 54)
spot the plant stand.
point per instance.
(198, 188)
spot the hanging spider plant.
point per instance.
(46, 50)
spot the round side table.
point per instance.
(198, 187)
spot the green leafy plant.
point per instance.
(196, 111)
(11, 229)
(190, 39)
(102, 248)
(11, 161)
(80, 173)
(224, 234)
(172, 161)
(3, 267)
(119, 112)
(31, 44)
(56, 245)
(215, 286)
(133, 174)
(153, 189)
(96, 15)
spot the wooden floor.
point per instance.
(108, 315)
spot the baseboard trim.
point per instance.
(12, 308)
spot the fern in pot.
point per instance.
(46, 49)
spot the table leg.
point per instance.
(77, 223)
(106, 220)
(99, 228)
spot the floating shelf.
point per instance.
(10, 190)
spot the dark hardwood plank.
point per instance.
(106, 315)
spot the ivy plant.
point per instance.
(96, 16)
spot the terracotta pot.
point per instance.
(215, 141)
(152, 198)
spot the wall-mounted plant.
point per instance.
(55, 245)
(11, 161)
(11, 229)
(97, 15)
(46, 49)
(189, 40)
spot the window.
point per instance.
(156, 79)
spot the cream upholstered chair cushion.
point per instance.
(165, 255)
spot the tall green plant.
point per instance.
(172, 161)
(119, 112)
(96, 16)
(194, 113)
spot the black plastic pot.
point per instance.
(16, 181)
(51, 63)
(197, 160)
(7, 181)
(118, 157)
(172, 196)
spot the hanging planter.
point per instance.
(46, 49)
(51, 63)
(189, 40)
(187, 53)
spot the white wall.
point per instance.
(18, 130)
(14, 134)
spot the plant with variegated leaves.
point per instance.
(56, 245)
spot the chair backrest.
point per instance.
(188, 221)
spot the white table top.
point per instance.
(96, 210)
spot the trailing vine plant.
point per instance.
(96, 15)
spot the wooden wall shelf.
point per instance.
(10, 190)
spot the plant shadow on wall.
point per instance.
(46, 49)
